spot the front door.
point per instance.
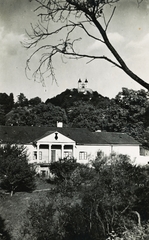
(56, 153)
(53, 155)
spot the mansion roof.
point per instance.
(28, 134)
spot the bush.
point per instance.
(63, 169)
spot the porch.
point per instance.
(47, 153)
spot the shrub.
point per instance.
(63, 169)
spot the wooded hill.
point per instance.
(128, 112)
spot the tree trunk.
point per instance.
(117, 56)
(11, 193)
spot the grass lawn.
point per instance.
(13, 209)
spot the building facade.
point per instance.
(49, 144)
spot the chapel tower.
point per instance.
(82, 86)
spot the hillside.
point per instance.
(70, 96)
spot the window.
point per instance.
(53, 155)
(67, 154)
(56, 147)
(43, 173)
(35, 155)
(82, 155)
(43, 146)
(68, 147)
(40, 155)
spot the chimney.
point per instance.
(59, 124)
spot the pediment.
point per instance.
(55, 137)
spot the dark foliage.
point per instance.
(43, 225)
(36, 115)
(34, 101)
(127, 112)
(109, 199)
(4, 234)
(69, 97)
(63, 169)
(15, 172)
(6, 102)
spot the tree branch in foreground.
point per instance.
(60, 21)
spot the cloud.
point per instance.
(143, 43)
(138, 51)
(94, 46)
(137, 56)
(10, 42)
(114, 37)
(16, 15)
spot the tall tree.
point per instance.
(2, 115)
(7, 101)
(15, 172)
(22, 100)
(59, 21)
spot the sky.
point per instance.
(128, 31)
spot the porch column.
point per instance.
(37, 152)
(62, 151)
(49, 160)
(73, 150)
(111, 148)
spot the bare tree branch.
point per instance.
(110, 19)
(58, 23)
(90, 35)
(138, 217)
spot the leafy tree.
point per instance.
(37, 115)
(34, 101)
(66, 18)
(63, 169)
(20, 116)
(134, 109)
(146, 118)
(110, 200)
(135, 101)
(22, 101)
(69, 176)
(2, 115)
(110, 117)
(7, 102)
(15, 172)
(48, 114)
(86, 115)
(10, 103)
